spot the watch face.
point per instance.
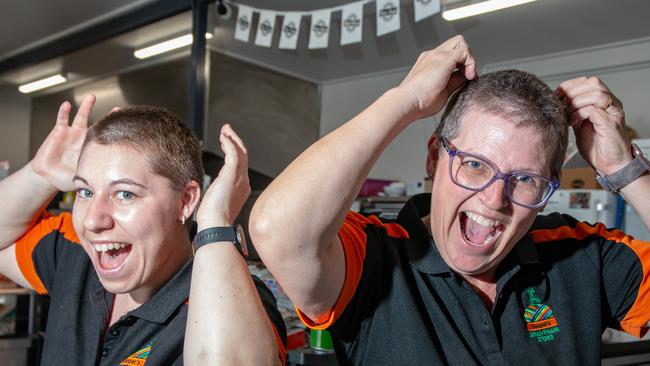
(242, 241)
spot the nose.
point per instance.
(99, 215)
(494, 196)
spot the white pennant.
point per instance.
(290, 31)
(319, 29)
(352, 23)
(387, 16)
(265, 28)
(425, 8)
(244, 22)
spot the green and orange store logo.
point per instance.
(138, 358)
(540, 321)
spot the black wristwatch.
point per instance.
(233, 234)
(626, 175)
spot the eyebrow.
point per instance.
(127, 182)
(76, 177)
(113, 183)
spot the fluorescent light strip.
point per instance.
(166, 46)
(480, 8)
(42, 83)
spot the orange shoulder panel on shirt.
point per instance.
(353, 238)
(27, 243)
(637, 318)
(282, 350)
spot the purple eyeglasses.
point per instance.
(476, 173)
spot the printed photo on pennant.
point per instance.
(425, 8)
(244, 23)
(319, 29)
(352, 23)
(290, 31)
(388, 13)
(265, 28)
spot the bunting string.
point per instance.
(387, 18)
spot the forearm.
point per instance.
(227, 323)
(304, 206)
(24, 195)
(637, 194)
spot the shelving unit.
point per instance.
(20, 348)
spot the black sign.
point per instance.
(266, 27)
(320, 28)
(351, 22)
(290, 30)
(388, 11)
(243, 22)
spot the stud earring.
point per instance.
(182, 219)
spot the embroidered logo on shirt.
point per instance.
(540, 321)
(138, 358)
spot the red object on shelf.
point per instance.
(372, 187)
(296, 338)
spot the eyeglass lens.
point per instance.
(474, 173)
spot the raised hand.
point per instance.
(57, 157)
(437, 73)
(598, 122)
(227, 194)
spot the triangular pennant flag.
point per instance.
(319, 28)
(265, 28)
(387, 16)
(244, 22)
(351, 23)
(290, 31)
(425, 8)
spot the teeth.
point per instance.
(488, 239)
(107, 247)
(481, 220)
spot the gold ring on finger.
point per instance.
(610, 102)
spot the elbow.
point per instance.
(261, 228)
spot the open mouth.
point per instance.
(479, 231)
(112, 255)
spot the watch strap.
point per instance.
(216, 235)
(626, 175)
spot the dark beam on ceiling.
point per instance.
(147, 14)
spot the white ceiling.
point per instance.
(542, 27)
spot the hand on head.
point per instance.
(598, 122)
(57, 157)
(227, 194)
(437, 73)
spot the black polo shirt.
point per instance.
(557, 290)
(51, 259)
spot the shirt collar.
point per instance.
(172, 295)
(421, 250)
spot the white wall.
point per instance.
(405, 158)
(624, 67)
(15, 111)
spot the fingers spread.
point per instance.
(63, 114)
(81, 118)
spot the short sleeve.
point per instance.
(37, 249)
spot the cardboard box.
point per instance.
(579, 178)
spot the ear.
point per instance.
(433, 147)
(190, 198)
